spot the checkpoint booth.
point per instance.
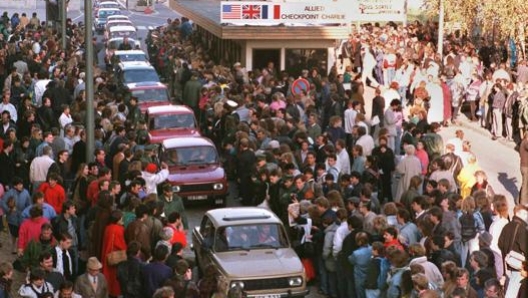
(294, 35)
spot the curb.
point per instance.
(475, 127)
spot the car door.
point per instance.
(203, 240)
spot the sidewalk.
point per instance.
(475, 126)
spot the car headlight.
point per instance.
(218, 186)
(176, 188)
(239, 284)
(295, 281)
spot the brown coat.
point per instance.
(139, 231)
(102, 219)
(83, 287)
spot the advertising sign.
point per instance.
(270, 13)
(379, 10)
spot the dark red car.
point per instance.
(196, 173)
(170, 121)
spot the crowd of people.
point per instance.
(382, 207)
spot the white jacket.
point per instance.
(152, 180)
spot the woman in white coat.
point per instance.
(436, 101)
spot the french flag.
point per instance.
(271, 12)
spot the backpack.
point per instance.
(468, 229)
(384, 272)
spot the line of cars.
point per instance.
(249, 246)
(195, 168)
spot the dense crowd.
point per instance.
(375, 208)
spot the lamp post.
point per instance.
(441, 30)
(89, 80)
(63, 14)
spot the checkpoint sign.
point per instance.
(300, 85)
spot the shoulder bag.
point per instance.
(514, 259)
(117, 256)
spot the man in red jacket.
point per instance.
(54, 193)
(101, 183)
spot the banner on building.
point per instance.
(273, 13)
(19, 4)
(379, 10)
(312, 12)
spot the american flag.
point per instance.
(231, 12)
(251, 11)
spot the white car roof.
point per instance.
(131, 52)
(169, 109)
(108, 2)
(122, 28)
(118, 17)
(114, 21)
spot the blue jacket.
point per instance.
(394, 282)
(153, 276)
(48, 212)
(360, 259)
(22, 199)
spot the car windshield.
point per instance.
(131, 57)
(108, 5)
(172, 121)
(103, 14)
(115, 43)
(200, 155)
(128, 33)
(248, 237)
(140, 75)
(151, 95)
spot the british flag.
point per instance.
(251, 12)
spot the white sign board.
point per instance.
(312, 12)
(19, 4)
(273, 13)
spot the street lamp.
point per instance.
(441, 30)
(89, 80)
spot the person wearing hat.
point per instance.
(153, 177)
(37, 286)
(173, 203)
(92, 283)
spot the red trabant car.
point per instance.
(195, 170)
(170, 121)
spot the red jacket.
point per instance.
(93, 191)
(55, 196)
(178, 236)
(30, 230)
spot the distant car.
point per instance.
(122, 31)
(100, 17)
(114, 23)
(135, 72)
(117, 17)
(106, 4)
(249, 247)
(148, 94)
(169, 121)
(195, 171)
(112, 62)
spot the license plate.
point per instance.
(219, 201)
(196, 198)
(268, 296)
